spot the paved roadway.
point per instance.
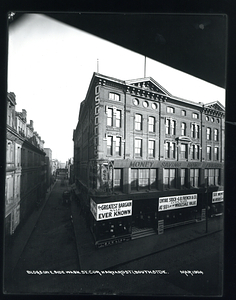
(52, 248)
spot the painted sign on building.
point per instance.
(104, 211)
(217, 197)
(175, 202)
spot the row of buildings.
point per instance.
(145, 160)
(28, 167)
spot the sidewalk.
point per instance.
(92, 258)
(19, 241)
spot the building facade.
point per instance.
(145, 160)
(25, 167)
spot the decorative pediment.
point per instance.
(215, 105)
(148, 84)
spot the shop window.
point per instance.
(138, 122)
(114, 97)
(183, 178)
(216, 135)
(183, 128)
(109, 117)
(143, 178)
(169, 178)
(208, 152)
(183, 151)
(170, 110)
(134, 179)
(118, 146)
(216, 153)
(138, 147)
(208, 131)
(153, 178)
(118, 118)
(151, 148)
(109, 145)
(117, 182)
(151, 124)
(212, 177)
(194, 177)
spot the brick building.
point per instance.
(25, 167)
(146, 160)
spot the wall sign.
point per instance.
(175, 202)
(217, 197)
(104, 211)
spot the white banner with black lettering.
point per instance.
(217, 196)
(175, 202)
(104, 211)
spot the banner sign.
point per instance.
(174, 202)
(104, 211)
(217, 197)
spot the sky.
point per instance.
(50, 65)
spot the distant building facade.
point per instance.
(25, 167)
(146, 160)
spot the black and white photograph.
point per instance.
(115, 154)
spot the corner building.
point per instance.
(145, 160)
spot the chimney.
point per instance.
(32, 125)
(24, 114)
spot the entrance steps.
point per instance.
(142, 232)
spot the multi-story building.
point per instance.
(48, 159)
(25, 167)
(145, 160)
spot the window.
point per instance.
(151, 124)
(195, 151)
(154, 106)
(170, 150)
(113, 96)
(183, 128)
(118, 118)
(138, 122)
(184, 151)
(208, 133)
(183, 177)
(173, 127)
(138, 147)
(170, 109)
(151, 148)
(167, 126)
(96, 110)
(212, 177)
(117, 182)
(195, 131)
(195, 116)
(109, 145)
(170, 126)
(183, 113)
(207, 118)
(208, 152)
(109, 116)
(145, 104)
(216, 135)
(216, 153)
(135, 101)
(96, 120)
(169, 178)
(194, 177)
(118, 146)
(167, 148)
(143, 178)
